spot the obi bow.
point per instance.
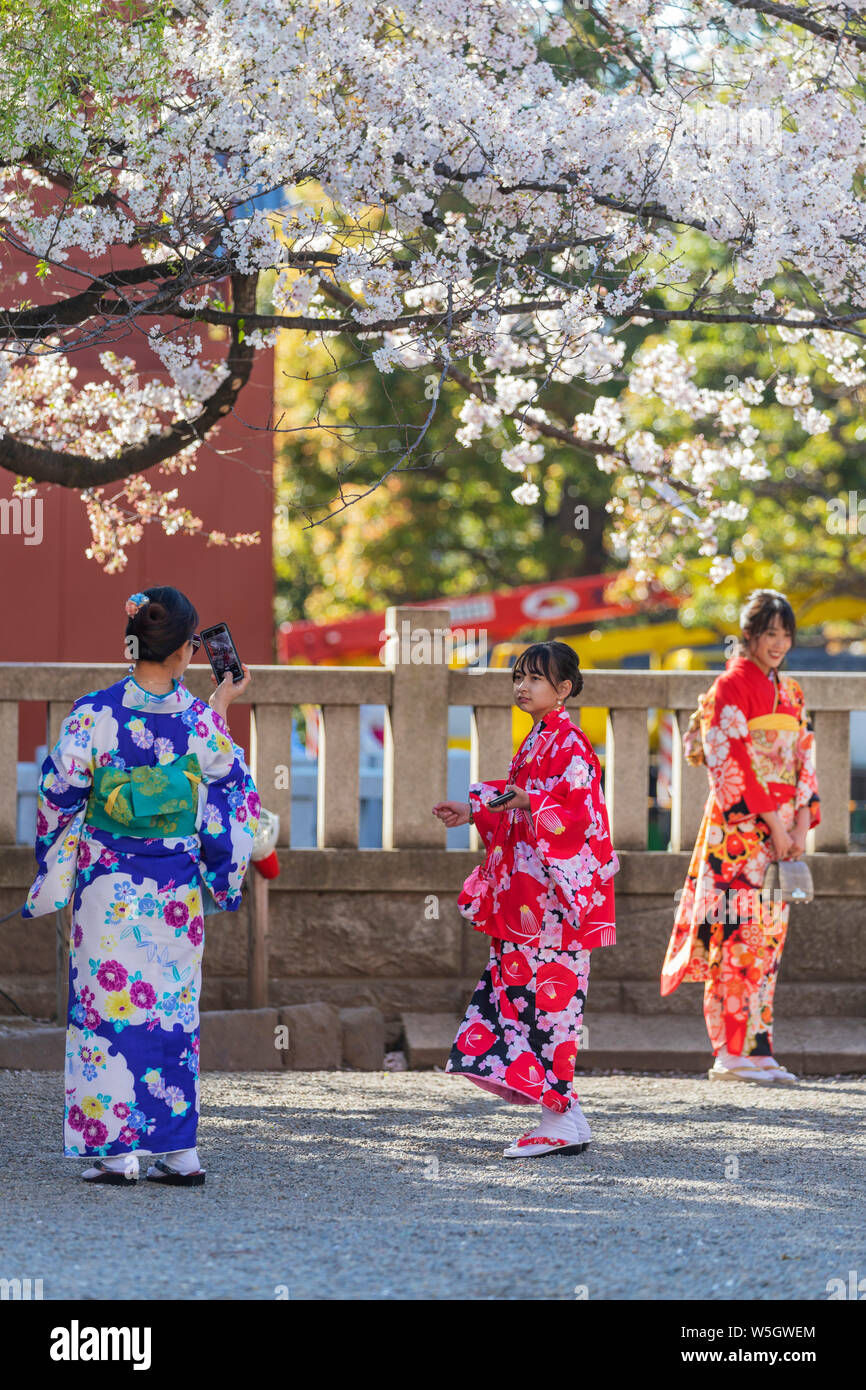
(148, 802)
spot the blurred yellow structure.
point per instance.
(669, 646)
(661, 642)
(662, 645)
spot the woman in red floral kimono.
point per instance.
(545, 896)
(759, 752)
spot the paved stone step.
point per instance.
(810, 1046)
(794, 999)
(428, 1039)
(297, 1037)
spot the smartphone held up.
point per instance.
(222, 653)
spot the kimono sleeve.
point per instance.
(485, 821)
(228, 815)
(568, 814)
(739, 789)
(804, 754)
(66, 777)
(567, 807)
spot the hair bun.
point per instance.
(163, 621)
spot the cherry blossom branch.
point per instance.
(544, 427)
(45, 465)
(622, 43)
(792, 14)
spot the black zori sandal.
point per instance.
(110, 1175)
(169, 1177)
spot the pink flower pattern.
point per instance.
(548, 902)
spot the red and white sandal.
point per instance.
(539, 1146)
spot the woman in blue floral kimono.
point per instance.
(146, 808)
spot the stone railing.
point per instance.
(351, 925)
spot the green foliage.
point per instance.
(60, 58)
(447, 525)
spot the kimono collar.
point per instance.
(743, 665)
(173, 702)
(551, 719)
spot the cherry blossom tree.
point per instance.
(488, 192)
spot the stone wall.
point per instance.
(354, 927)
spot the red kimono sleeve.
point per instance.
(730, 758)
(486, 821)
(569, 813)
(572, 835)
(807, 778)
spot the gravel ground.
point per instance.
(352, 1185)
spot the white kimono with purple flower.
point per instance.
(132, 1039)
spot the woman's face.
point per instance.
(535, 694)
(772, 645)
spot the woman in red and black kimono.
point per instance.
(759, 751)
(545, 896)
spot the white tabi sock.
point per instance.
(731, 1060)
(183, 1160)
(119, 1163)
(571, 1125)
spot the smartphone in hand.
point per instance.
(222, 653)
(501, 800)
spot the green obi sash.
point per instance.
(150, 802)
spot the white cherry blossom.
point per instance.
(439, 184)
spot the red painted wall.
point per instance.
(56, 605)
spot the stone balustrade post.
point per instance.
(338, 801)
(271, 762)
(833, 766)
(689, 790)
(417, 653)
(626, 777)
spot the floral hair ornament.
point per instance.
(134, 602)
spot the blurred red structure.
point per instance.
(501, 616)
(59, 606)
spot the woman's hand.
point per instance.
(452, 813)
(798, 843)
(799, 831)
(519, 801)
(227, 692)
(782, 842)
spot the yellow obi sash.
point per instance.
(148, 802)
(775, 721)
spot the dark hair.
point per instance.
(556, 661)
(758, 612)
(162, 625)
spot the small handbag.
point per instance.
(479, 885)
(791, 879)
(693, 746)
